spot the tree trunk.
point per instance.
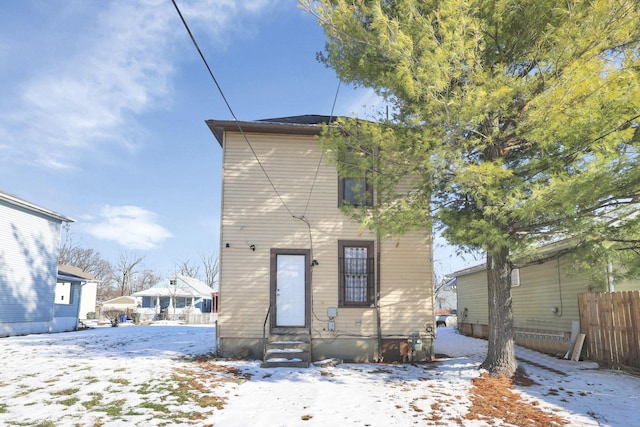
(501, 358)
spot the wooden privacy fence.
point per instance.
(611, 322)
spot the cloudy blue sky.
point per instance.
(103, 107)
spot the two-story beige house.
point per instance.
(299, 280)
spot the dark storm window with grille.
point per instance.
(356, 271)
(354, 192)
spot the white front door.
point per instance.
(290, 290)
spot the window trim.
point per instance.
(341, 191)
(369, 245)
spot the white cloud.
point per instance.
(91, 92)
(132, 227)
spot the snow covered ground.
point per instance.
(152, 376)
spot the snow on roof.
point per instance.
(184, 286)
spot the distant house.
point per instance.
(123, 303)
(120, 305)
(29, 252)
(70, 277)
(544, 296)
(446, 296)
(295, 268)
(176, 298)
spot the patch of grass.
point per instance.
(179, 415)
(155, 407)
(114, 409)
(3, 408)
(119, 370)
(95, 401)
(28, 391)
(70, 401)
(65, 392)
(91, 380)
(51, 380)
(122, 381)
(145, 389)
(28, 423)
(185, 386)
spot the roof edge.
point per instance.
(295, 125)
(16, 201)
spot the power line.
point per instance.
(315, 178)
(255, 155)
(195, 43)
(244, 136)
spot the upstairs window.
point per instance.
(354, 192)
(356, 271)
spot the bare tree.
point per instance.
(88, 260)
(124, 271)
(211, 265)
(144, 280)
(186, 268)
(67, 242)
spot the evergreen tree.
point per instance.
(515, 122)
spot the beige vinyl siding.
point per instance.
(473, 305)
(406, 303)
(626, 285)
(253, 214)
(544, 287)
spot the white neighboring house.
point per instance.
(29, 252)
(179, 298)
(88, 284)
(446, 296)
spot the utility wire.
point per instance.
(195, 43)
(315, 178)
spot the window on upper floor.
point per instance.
(354, 192)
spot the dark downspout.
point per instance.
(377, 297)
(378, 270)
